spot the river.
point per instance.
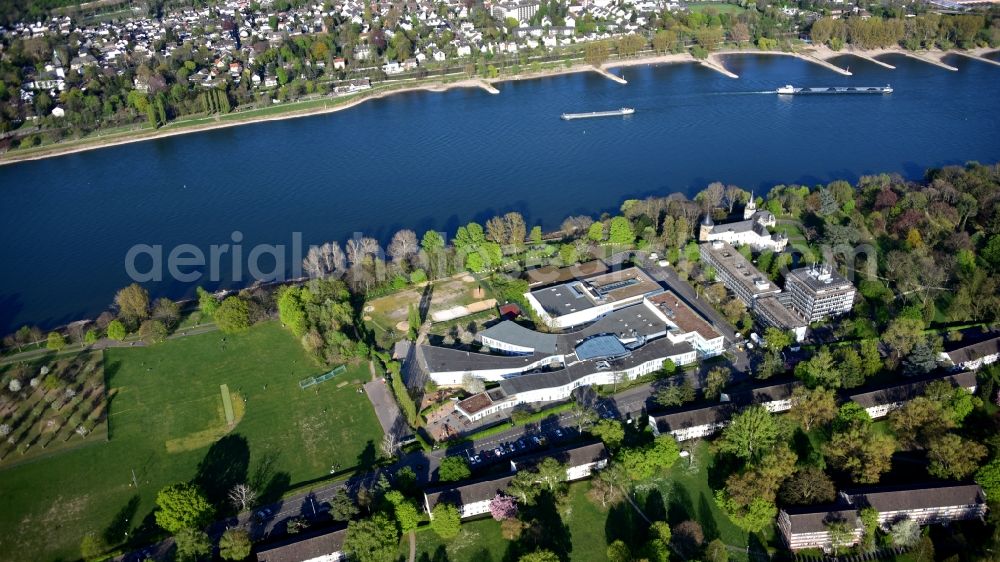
(436, 160)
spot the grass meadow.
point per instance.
(167, 424)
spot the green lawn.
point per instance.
(481, 540)
(685, 494)
(585, 529)
(722, 7)
(167, 425)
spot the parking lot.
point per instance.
(516, 442)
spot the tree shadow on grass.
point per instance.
(275, 488)
(116, 532)
(368, 456)
(225, 465)
(440, 554)
(545, 529)
(623, 524)
(482, 555)
(680, 507)
(654, 506)
(707, 518)
(719, 468)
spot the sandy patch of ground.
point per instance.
(460, 311)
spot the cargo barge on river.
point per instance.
(789, 90)
(615, 113)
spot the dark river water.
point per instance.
(436, 160)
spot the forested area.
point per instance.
(925, 31)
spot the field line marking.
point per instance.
(227, 404)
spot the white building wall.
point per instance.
(475, 508)
(697, 431)
(508, 348)
(776, 406)
(453, 378)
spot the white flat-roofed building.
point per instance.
(736, 272)
(819, 292)
(581, 301)
(686, 325)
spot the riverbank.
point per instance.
(817, 55)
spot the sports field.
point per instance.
(167, 423)
(720, 7)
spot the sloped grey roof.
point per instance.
(815, 519)
(904, 498)
(571, 456)
(516, 334)
(303, 547)
(686, 419)
(975, 351)
(468, 492)
(908, 391)
(768, 393)
(445, 359)
(661, 347)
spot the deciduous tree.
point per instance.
(374, 539)
(432, 242)
(809, 485)
(860, 451)
(677, 393)
(116, 330)
(621, 231)
(233, 315)
(133, 303)
(716, 381)
(152, 331)
(813, 408)
(235, 544)
(503, 507)
(618, 551)
(182, 506)
(751, 433)
(540, 556)
(446, 520)
(192, 544)
(207, 302)
(55, 341)
(403, 245)
(610, 431)
(242, 497)
(953, 457)
(452, 469)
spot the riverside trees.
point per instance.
(923, 31)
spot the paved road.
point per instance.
(386, 409)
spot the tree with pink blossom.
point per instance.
(503, 507)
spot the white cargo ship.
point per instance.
(615, 113)
(789, 90)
